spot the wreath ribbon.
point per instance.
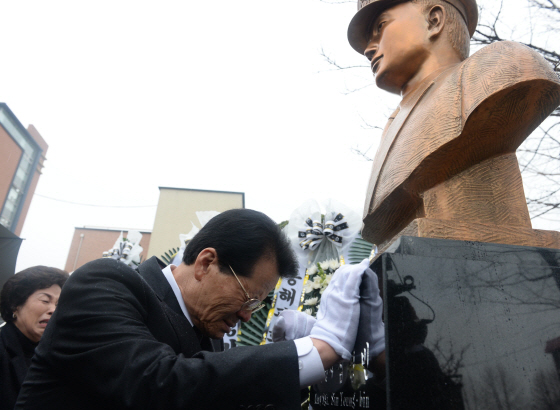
(317, 231)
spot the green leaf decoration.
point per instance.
(168, 256)
(359, 250)
(283, 224)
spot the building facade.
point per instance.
(176, 214)
(22, 153)
(89, 243)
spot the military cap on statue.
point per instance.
(368, 10)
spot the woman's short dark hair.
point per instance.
(23, 284)
(241, 237)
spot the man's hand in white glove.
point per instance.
(339, 312)
(292, 325)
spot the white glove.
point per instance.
(339, 312)
(292, 325)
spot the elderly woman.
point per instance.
(27, 302)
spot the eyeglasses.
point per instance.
(251, 305)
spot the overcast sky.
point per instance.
(218, 95)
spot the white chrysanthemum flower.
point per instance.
(334, 264)
(308, 311)
(311, 286)
(311, 301)
(312, 270)
(317, 282)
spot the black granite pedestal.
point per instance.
(469, 325)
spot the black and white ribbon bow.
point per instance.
(316, 232)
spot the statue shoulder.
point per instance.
(498, 67)
(512, 59)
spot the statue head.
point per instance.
(407, 40)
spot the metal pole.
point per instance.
(78, 254)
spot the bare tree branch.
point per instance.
(361, 153)
(333, 62)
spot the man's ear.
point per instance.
(204, 260)
(436, 21)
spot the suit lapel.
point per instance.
(151, 272)
(392, 131)
(187, 337)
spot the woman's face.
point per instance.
(32, 317)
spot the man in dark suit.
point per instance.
(126, 339)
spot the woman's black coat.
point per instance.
(16, 351)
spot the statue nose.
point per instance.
(371, 50)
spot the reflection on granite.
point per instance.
(471, 325)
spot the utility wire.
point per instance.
(97, 206)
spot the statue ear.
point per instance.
(436, 21)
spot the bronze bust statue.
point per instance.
(446, 165)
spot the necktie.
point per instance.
(204, 341)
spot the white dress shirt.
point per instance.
(309, 362)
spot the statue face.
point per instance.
(398, 46)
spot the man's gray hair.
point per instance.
(456, 27)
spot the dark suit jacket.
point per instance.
(118, 341)
(16, 352)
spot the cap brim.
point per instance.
(472, 19)
(358, 27)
